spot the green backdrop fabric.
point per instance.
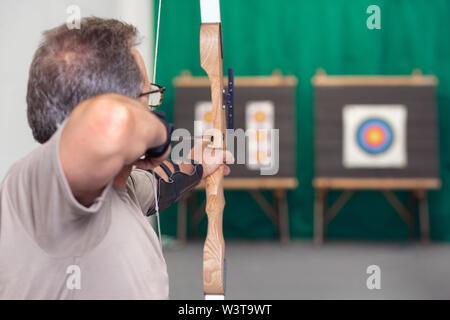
(298, 37)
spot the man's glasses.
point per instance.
(154, 95)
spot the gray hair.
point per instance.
(71, 66)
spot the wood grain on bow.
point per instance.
(211, 61)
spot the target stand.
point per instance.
(375, 133)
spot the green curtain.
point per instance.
(298, 37)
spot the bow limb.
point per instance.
(214, 249)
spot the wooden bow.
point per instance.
(211, 59)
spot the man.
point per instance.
(72, 212)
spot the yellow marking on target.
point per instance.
(260, 116)
(375, 136)
(260, 136)
(207, 117)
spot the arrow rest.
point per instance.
(229, 98)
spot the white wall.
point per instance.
(21, 25)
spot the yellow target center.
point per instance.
(260, 116)
(375, 136)
(207, 117)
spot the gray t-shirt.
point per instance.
(52, 247)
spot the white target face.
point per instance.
(374, 136)
(259, 123)
(203, 117)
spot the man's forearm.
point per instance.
(144, 131)
(102, 135)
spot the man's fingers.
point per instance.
(226, 170)
(218, 156)
(228, 157)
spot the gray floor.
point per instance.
(266, 270)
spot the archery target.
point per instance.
(374, 136)
(259, 125)
(203, 118)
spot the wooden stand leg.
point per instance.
(403, 212)
(424, 216)
(283, 215)
(319, 216)
(412, 206)
(181, 220)
(324, 210)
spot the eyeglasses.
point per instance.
(154, 95)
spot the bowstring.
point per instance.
(155, 191)
(156, 42)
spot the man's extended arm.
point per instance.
(102, 135)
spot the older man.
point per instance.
(76, 205)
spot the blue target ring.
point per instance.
(374, 136)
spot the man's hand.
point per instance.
(152, 163)
(210, 158)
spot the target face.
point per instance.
(375, 136)
(203, 117)
(259, 123)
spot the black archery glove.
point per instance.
(159, 151)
